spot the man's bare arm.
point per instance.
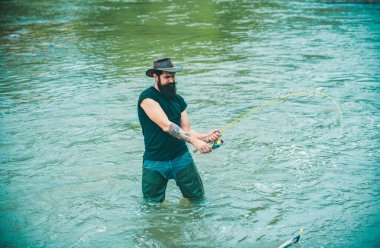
(177, 132)
(158, 116)
(212, 136)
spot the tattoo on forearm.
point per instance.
(176, 131)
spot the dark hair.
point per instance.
(158, 73)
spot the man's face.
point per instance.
(166, 78)
(166, 84)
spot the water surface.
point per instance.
(71, 146)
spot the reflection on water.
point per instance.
(71, 146)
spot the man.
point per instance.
(166, 129)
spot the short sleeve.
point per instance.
(182, 103)
(146, 94)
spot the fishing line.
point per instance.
(218, 143)
(304, 92)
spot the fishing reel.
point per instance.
(217, 144)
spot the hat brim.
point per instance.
(150, 72)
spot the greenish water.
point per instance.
(71, 146)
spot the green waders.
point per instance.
(188, 180)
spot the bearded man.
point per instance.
(166, 128)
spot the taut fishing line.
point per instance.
(218, 143)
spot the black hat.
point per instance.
(165, 65)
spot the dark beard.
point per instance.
(168, 91)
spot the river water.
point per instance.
(71, 145)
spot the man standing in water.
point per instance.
(166, 129)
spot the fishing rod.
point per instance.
(292, 241)
(218, 143)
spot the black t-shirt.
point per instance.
(159, 145)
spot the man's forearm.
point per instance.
(175, 131)
(188, 137)
(201, 136)
(191, 133)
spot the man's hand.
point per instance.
(213, 136)
(200, 145)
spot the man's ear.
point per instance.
(155, 77)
